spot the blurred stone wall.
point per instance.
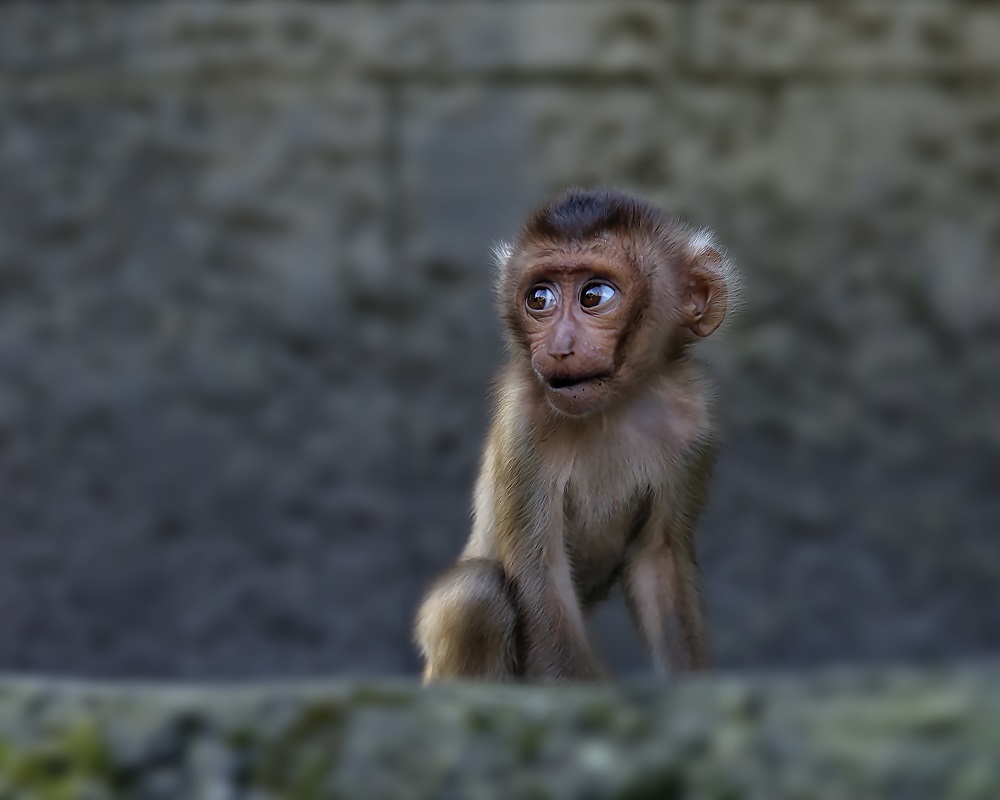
(245, 336)
(915, 735)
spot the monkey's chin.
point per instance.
(580, 399)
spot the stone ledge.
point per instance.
(850, 735)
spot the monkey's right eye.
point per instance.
(541, 298)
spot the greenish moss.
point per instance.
(929, 148)
(370, 695)
(633, 728)
(297, 764)
(528, 742)
(978, 781)
(871, 26)
(480, 720)
(85, 746)
(241, 738)
(597, 718)
(666, 783)
(73, 764)
(533, 791)
(940, 36)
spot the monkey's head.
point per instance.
(601, 291)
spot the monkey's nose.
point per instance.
(561, 347)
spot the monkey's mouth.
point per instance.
(568, 381)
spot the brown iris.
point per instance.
(541, 298)
(596, 294)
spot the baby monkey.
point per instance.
(599, 451)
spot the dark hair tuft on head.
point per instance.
(585, 213)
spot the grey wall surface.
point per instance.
(246, 337)
(899, 733)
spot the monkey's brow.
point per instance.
(570, 268)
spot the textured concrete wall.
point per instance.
(245, 344)
(862, 736)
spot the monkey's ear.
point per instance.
(706, 295)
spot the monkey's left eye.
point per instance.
(596, 294)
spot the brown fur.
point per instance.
(599, 453)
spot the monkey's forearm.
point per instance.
(553, 634)
(662, 590)
(529, 529)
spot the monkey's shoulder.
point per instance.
(667, 422)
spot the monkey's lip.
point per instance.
(568, 381)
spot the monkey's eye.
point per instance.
(596, 294)
(541, 298)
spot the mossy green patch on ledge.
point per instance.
(852, 735)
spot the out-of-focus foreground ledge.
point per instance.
(851, 735)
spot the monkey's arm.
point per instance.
(552, 628)
(482, 541)
(529, 523)
(661, 578)
(661, 582)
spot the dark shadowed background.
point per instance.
(246, 335)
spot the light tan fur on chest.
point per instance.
(615, 459)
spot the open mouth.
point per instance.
(567, 382)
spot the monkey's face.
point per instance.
(599, 292)
(573, 316)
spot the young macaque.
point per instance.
(599, 451)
